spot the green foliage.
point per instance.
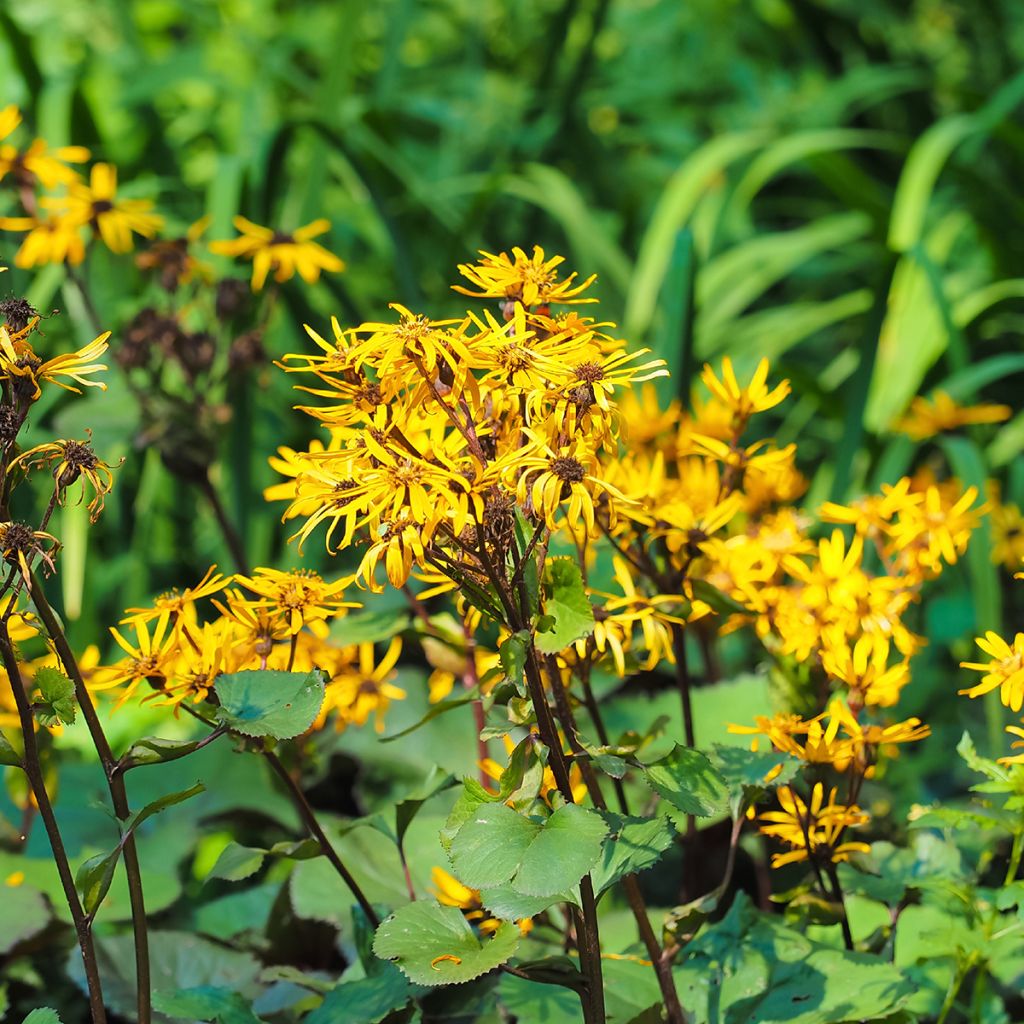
(498, 845)
(26, 913)
(270, 703)
(54, 698)
(569, 615)
(434, 945)
(689, 781)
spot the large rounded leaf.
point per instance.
(265, 702)
(434, 945)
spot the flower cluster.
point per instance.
(63, 211)
(175, 649)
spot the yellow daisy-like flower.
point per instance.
(814, 830)
(148, 659)
(177, 603)
(928, 418)
(531, 280)
(364, 688)
(1007, 535)
(744, 401)
(37, 162)
(49, 239)
(302, 597)
(97, 204)
(548, 477)
(24, 369)
(1004, 672)
(283, 252)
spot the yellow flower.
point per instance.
(926, 419)
(547, 477)
(24, 369)
(935, 530)
(364, 688)
(416, 349)
(1005, 670)
(301, 596)
(531, 280)
(177, 604)
(744, 401)
(38, 162)
(869, 678)
(873, 514)
(286, 254)
(814, 830)
(49, 240)
(1007, 534)
(96, 204)
(148, 659)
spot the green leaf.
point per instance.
(716, 599)
(368, 627)
(266, 702)
(689, 781)
(365, 1001)
(8, 755)
(566, 601)
(55, 703)
(635, 844)
(94, 876)
(488, 849)
(512, 652)
(498, 845)
(206, 1003)
(508, 904)
(920, 173)
(25, 913)
(237, 862)
(154, 750)
(42, 1016)
(434, 945)
(744, 771)
(155, 807)
(567, 847)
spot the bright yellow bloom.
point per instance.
(148, 660)
(179, 603)
(37, 162)
(1005, 671)
(301, 596)
(24, 369)
(364, 687)
(935, 530)
(49, 239)
(744, 401)
(531, 280)
(814, 830)
(548, 477)
(870, 679)
(97, 205)
(1007, 524)
(928, 418)
(286, 254)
